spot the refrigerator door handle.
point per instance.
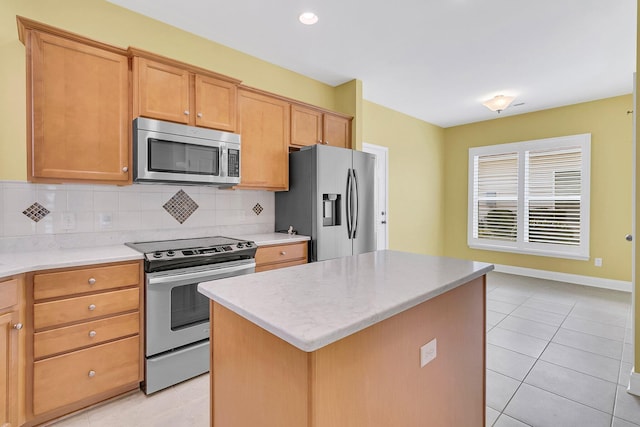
(356, 212)
(347, 203)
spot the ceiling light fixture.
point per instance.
(308, 18)
(498, 103)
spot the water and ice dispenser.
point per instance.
(331, 210)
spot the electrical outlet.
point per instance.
(598, 262)
(106, 220)
(428, 352)
(68, 221)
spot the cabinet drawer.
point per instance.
(72, 377)
(281, 253)
(8, 293)
(69, 338)
(63, 283)
(86, 307)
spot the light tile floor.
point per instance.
(558, 355)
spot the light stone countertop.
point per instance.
(313, 305)
(273, 238)
(21, 262)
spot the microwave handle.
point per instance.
(224, 163)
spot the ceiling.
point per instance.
(435, 60)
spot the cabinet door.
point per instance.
(80, 126)
(162, 91)
(8, 369)
(215, 103)
(337, 131)
(306, 126)
(264, 125)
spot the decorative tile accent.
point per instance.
(180, 206)
(36, 212)
(258, 209)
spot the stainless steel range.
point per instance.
(176, 314)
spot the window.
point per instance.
(531, 197)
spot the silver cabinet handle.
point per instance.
(17, 326)
(92, 307)
(199, 115)
(283, 253)
(186, 112)
(628, 237)
(92, 334)
(92, 374)
(92, 281)
(125, 169)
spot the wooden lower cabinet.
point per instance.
(85, 337)
(80, 375)
(11, 352)
(272, 257)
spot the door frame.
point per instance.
(381, 152)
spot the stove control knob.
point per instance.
(170, 253)
(240, 246)
(157, 254)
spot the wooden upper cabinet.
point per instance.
(215, 103)
(306, 126)
(312, 126)
(78, 102)
(165, 89)
(264, 123)
(336, 131)
(162, 91)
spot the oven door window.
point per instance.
(188, 307)
(178, 157)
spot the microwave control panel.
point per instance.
(234, 163)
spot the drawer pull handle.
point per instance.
(17, 326)
(283, 253)
(92, 374)
(92, 281)
(92, 334)
(92, 307)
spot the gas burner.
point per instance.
(164, 255)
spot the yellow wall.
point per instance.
(105, 22)
(416, 170)
(611, 170)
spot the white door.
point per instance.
(382, 193)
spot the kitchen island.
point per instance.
(338, 343)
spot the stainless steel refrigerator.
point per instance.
(330, 198)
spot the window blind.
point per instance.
(531, 197)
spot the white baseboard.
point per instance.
(634, 383)
(598, 282)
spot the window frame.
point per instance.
(581, 251)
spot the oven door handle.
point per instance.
(208, 275)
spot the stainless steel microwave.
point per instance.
(165, 152)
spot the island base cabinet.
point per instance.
(368, 379)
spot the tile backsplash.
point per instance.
(86, 215)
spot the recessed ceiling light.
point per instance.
(308, 18)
